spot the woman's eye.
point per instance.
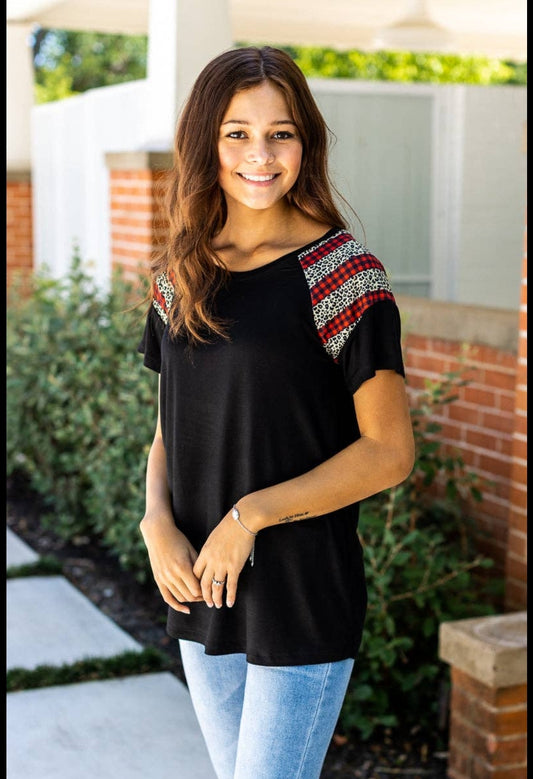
(281, 135)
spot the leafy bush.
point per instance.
(422, 569)
(81, 409)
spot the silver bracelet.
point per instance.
(237, 517)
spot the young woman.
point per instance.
(281, 405)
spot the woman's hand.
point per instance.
(222, 557)
(172, 557)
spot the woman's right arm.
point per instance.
(171, 554)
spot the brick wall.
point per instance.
(488, 730)
(478, 425)
(516, 562)
(136, 186)
(19, 237)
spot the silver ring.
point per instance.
(217, 583)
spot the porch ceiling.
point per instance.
(495, 28)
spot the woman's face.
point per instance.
(259, 148)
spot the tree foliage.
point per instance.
(70, 62)
(406, 66)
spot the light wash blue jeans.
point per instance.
(264, 722)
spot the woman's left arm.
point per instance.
(381, 458)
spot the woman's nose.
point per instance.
(260, 152)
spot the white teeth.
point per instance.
(248, 177)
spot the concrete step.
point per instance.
(140, 727)
(51, 622)
(17, 551)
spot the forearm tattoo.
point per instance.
(293, 517)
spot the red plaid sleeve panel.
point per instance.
(344, 280)
(163, 294)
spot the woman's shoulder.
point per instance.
(338, 251)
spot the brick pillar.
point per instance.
(488, 706)
(516, 560)
(136, 185)
(19, 228)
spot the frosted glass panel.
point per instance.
(381, 164)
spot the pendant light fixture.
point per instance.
(416, 31)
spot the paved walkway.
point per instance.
(138, 727)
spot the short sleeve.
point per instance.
(150, 343)
(156, 321)
(355, 313)
(374, 344)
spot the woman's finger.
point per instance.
(189, 594)
(190, 586)
(207, 587)
(218, 583)
(171, 600)
(199, 567)
(231, 589)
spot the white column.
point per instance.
(19, 97)
(184, 35)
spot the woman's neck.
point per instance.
(244, 245)
(248, 230)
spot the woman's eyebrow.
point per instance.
(243, 121)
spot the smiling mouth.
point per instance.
(258, 179)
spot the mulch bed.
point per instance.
(140, 611)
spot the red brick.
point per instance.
(500, 379)
(518, 520)
(508, 772)
(519, 470)
(515, 595)
(414, 341)
(496, 466)
(520, 423)
(133, 174)
(481, 396)
(521, 400)
(138, 202)
(517, 545)
(19, 238)
(516, 568)
(467, 414)
(487, 746)
(500, 421)
(484, 440)
(460, 762)
(496, 508)
(500, 722)
(504, 696)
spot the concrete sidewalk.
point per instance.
(135, 727)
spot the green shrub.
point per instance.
(422, 569)
(81, 409)
(406, 66)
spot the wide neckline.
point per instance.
(262, 268)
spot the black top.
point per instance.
(270, 404)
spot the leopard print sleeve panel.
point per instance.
(344, 280)
(163, 295)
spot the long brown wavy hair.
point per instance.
(195, 203)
